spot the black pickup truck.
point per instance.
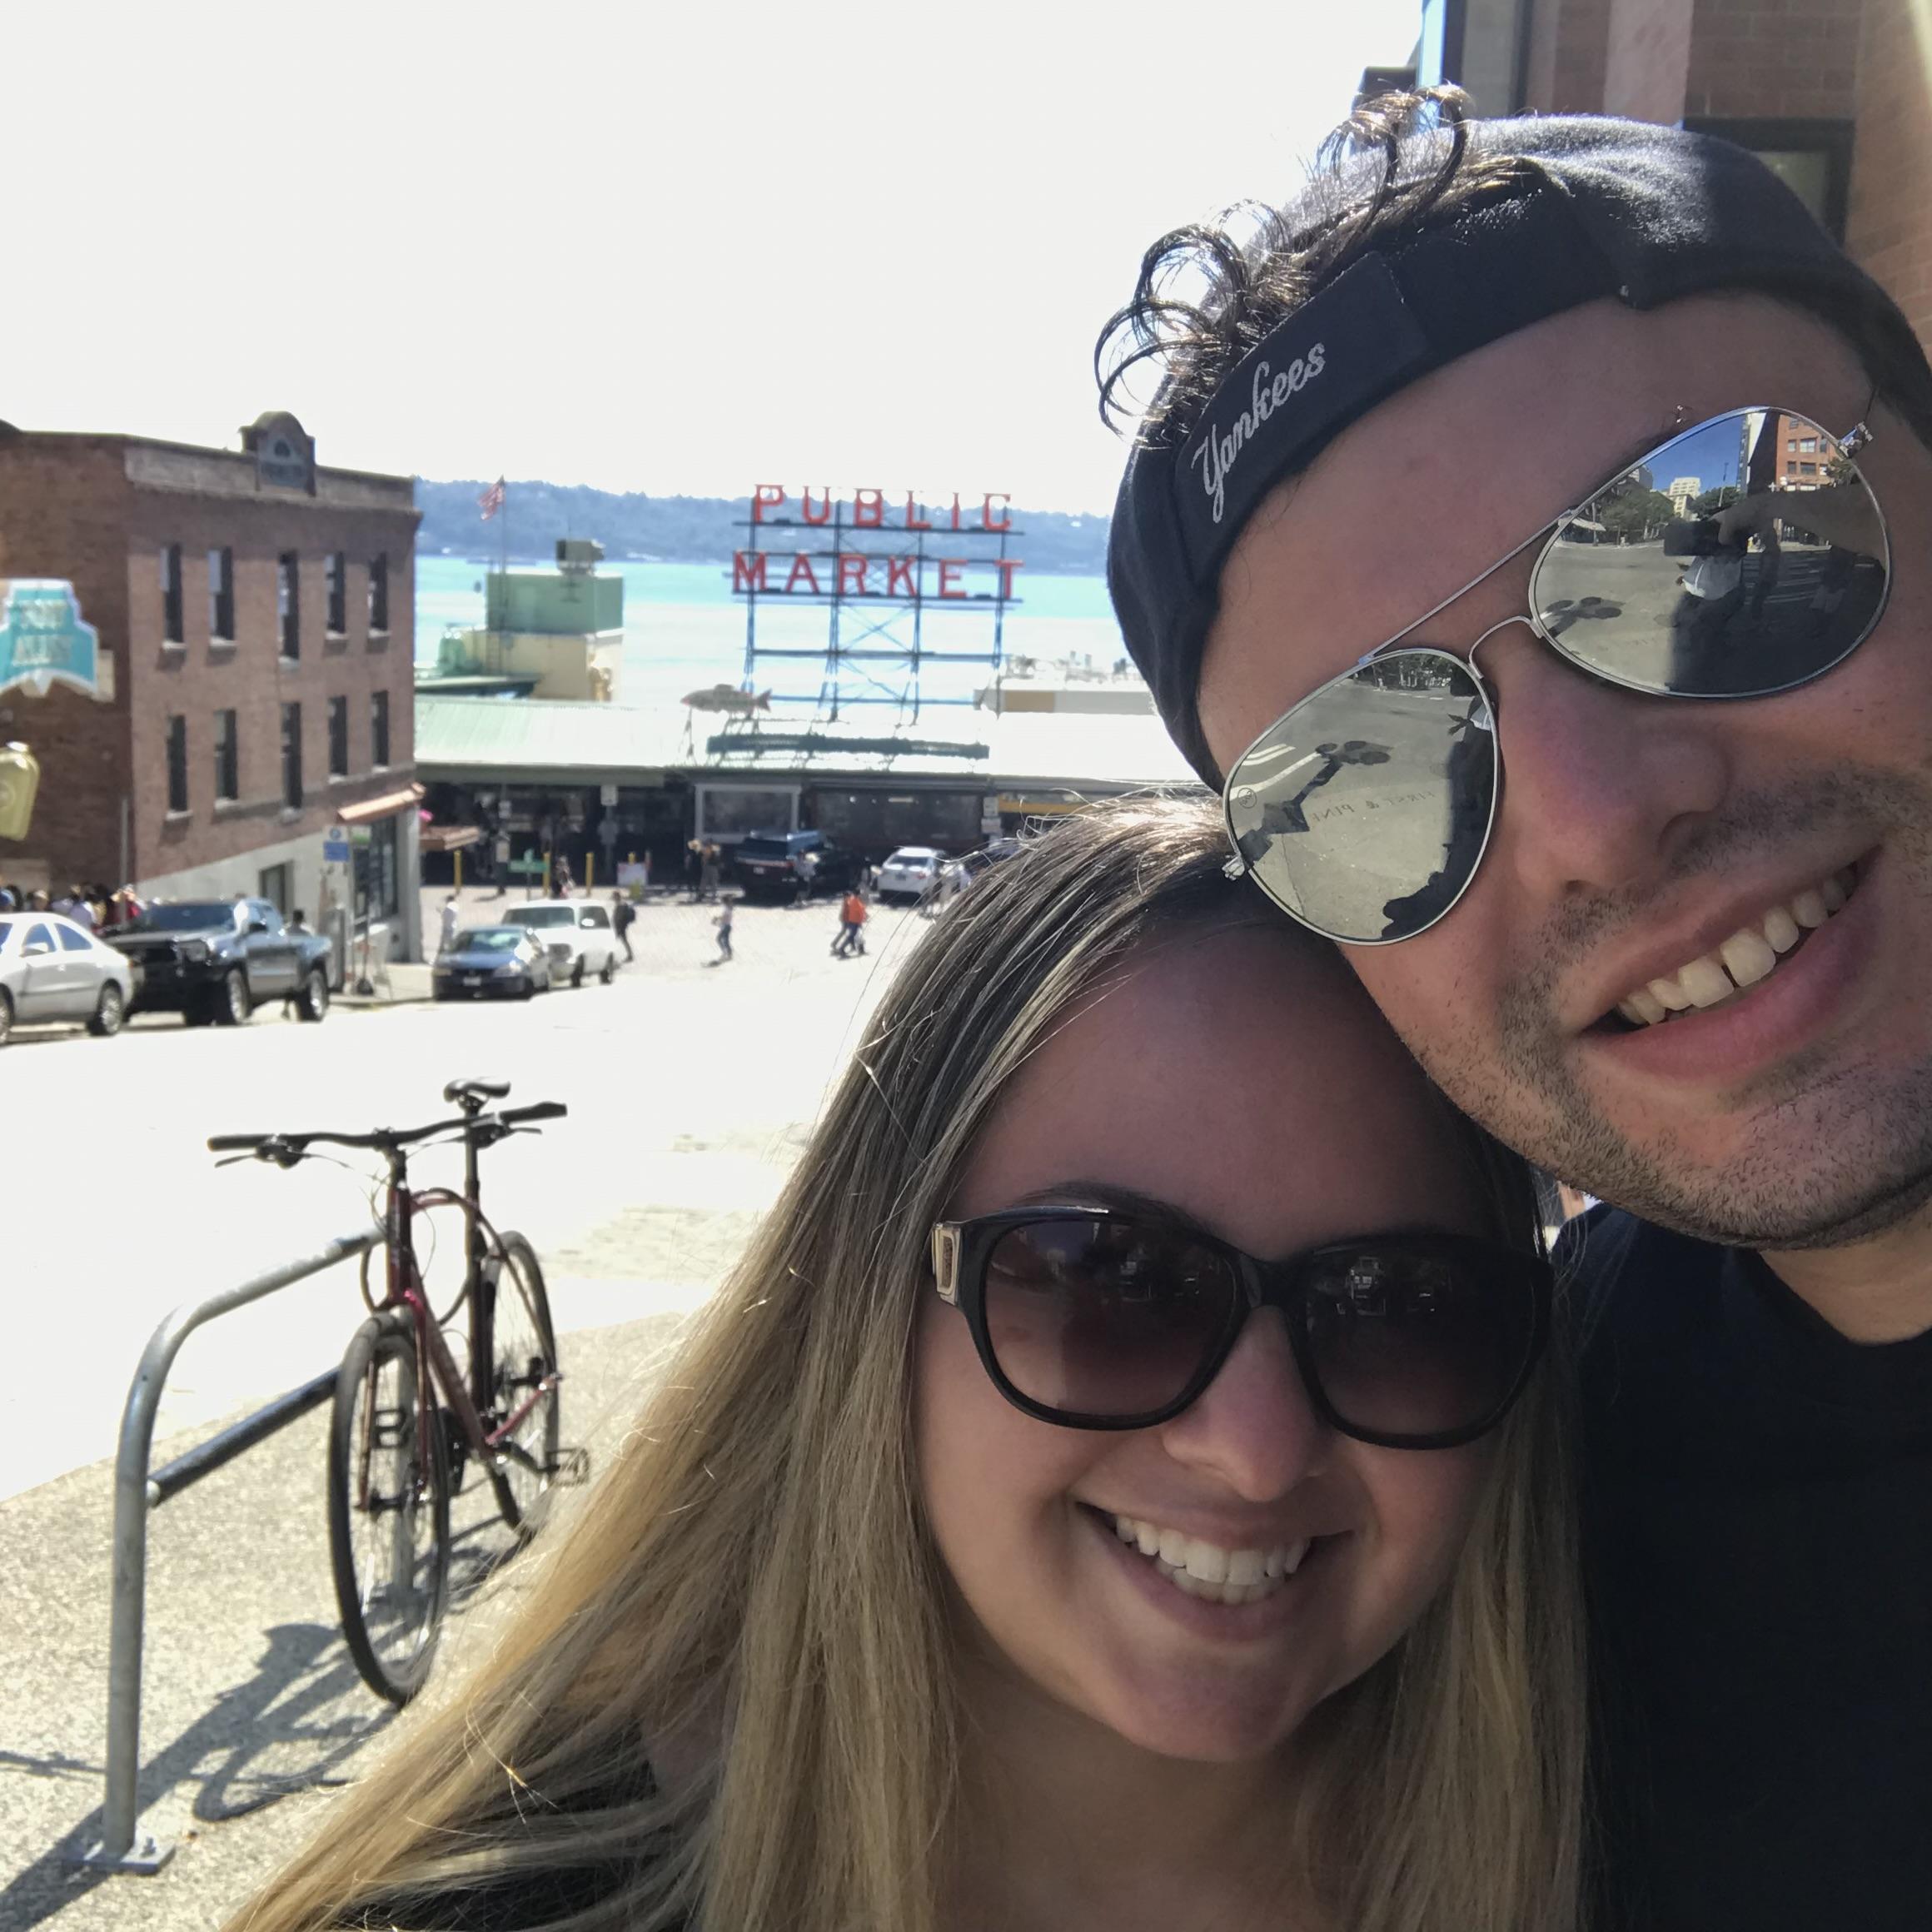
(218, 960)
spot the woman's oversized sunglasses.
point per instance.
(1744, 557)
(1106, 1318)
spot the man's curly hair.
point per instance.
(1399, 165)
(1208, 293)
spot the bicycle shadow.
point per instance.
(290, 1727)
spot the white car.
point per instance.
(576, 932)
(54, 969)
(909, 873)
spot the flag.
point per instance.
(491, 500)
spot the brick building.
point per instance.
(1836, 95)
(256, 615)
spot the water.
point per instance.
(684, 630)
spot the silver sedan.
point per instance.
(52, 968)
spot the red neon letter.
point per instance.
(913, 520)
(851, 567)
(867, 508)
(766, 496)
(986, 520)
(802, 567)
(955, 510)
(899, 578)
(825, 515)
(748, 570)
(949, 569)
(1006, 566)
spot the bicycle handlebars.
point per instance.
(286, 1149)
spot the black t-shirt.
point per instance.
(1758, 1551)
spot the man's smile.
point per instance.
(1752, 954)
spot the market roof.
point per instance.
(539, 739)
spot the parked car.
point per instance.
(774, 864)
(909, 873)
(576, 932)
(52, 968)
(492, 963)
(218, 960)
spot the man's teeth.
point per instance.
(1747, 956)
(1203, 1569)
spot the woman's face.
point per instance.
(1243, 1078)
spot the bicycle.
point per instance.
(395, 1455)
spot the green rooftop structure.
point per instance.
(546, 634)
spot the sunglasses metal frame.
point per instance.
(1548, 536)
(961, 1250)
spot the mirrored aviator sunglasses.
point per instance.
(1743, 558)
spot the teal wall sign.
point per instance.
(42, 640)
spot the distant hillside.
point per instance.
(690, 529)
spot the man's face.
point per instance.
(1635, 834)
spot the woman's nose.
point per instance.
(1253, 1427)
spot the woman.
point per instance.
(989, 1560)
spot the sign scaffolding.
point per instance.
(904, 589)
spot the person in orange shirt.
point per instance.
(851, 928)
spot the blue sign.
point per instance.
(42, 640)
(336, 845)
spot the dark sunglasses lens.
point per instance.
(1415, 1343)
(1364, 811)
(1742, 558)
(1103, 1318)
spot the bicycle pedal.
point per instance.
(573, 1468)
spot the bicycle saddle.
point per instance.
(459, 1091)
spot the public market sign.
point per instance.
(44, 640)
(916, 573)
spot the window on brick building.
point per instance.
(337, 564)
(291, 771)
(227, 757)
(379, 593)
(338, 738)
(379, 728)
(170, 594)
(1812, 157)
(288, 602)
(177, 765)
(1809, 444)
(221, 596)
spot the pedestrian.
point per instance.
(622, 913)
(449, 918)
(8, 898)
(852, 917)
(991, 1557)
(804, 875)
(565, 883)
(708, 871)
(723, 923)
(298, 921)
(1678, 958)
(694, 869)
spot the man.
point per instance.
(622, 913)
(1678, 958)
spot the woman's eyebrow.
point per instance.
(1087, 1194)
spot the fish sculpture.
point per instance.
(728, 698)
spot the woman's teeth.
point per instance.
(1202, 1569)
(1748, 955)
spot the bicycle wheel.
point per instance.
(388, 1510)
(523, 1352)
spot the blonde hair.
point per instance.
(753, 1572)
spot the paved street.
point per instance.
(691, 1086)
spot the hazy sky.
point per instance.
(646, 246)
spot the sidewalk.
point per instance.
(252, 1713)
(401, 984)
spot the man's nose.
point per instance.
(1253, 1428)
(1599, 783)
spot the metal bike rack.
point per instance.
(121, 1847)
